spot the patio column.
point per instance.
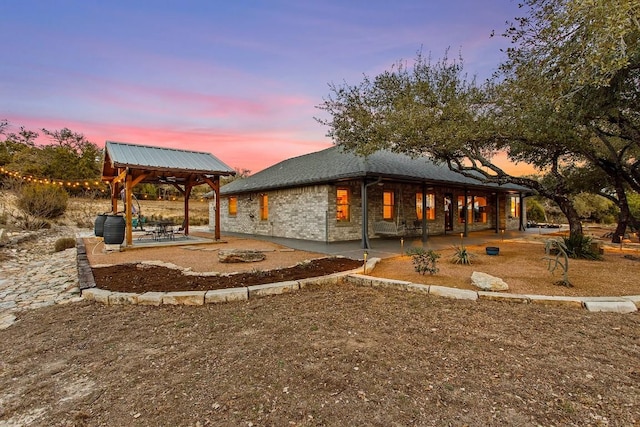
(128, 190)
(522, 212)
(187, 194)
(365, 215)
(466, 213)
(216, 182)
(424, 213)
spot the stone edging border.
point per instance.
(626, 304)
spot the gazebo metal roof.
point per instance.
(161, 164)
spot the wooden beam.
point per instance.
(121, 176)
(114, 198)
(128, 211)
(180, 189)
(187, 193)
(139, 178)
(216, 181)
(215, 186)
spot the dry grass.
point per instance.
(82, 212)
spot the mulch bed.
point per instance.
(140, 278)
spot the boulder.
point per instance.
(486, 282)
(240, 255)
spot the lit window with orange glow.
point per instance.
(342, 205)
(480, 209)
(514, 207)
(233, 206)
(264, 207)
(388, 205)
(431, 204)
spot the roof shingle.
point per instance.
(334, 164)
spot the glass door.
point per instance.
(448, 212)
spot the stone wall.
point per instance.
(309, 213)
(298, 213)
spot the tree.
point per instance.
(535, 211)
(581, 60)
(71, 156)
(568, 94)
(240, 173)
(434, 109)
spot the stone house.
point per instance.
(334, 195)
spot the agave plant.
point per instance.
(462, 255)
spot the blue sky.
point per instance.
(237, 79)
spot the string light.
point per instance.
(79, 183)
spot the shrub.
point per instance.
(579, 246)
(424, 261)
(43, 201)
(64, 243)
(535, 211)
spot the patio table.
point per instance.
(163, 229)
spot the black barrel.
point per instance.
(114, 230)
(98, 227)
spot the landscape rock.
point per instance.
(487, 282)
(240, 255)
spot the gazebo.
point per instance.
(127, 165)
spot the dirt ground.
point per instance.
(141, 278)
(334, 355)
(522, 267)
(331, 356)
(520, 264)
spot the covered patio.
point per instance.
(127, 165)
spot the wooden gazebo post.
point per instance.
(215, 186)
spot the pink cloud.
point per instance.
(253, 150)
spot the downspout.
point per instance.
(365, 213)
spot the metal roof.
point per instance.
(121, 154)
(335, 164)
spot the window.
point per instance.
(388, 204)
(431, 206)
(513, 204)
(233, 206)
(479, 209)
(264, 207)
(342, 205)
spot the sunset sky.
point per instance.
(239, 79)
